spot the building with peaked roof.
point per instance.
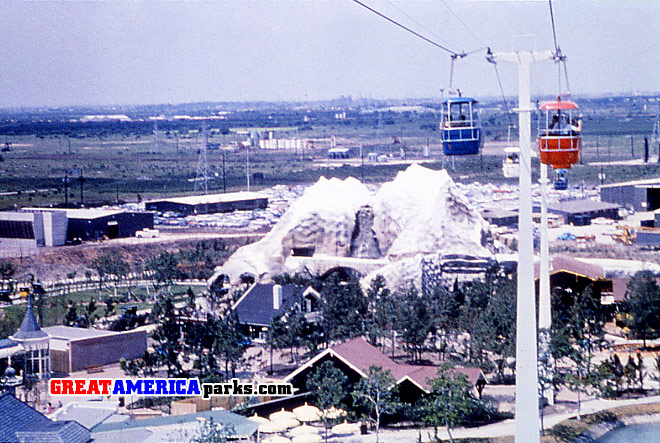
(33, 343)
(63, 349)
(608, 277)
(355, 356)
(261, 303)
(19, 423)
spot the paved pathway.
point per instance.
(500, 429)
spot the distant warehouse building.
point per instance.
(26, 230)
(581, 212)
(640, 195)
(209, 204)
(96, 224)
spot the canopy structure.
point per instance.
(307, 413)
(345, 428)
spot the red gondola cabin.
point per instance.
(559, 137)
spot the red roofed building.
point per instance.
(355, 356)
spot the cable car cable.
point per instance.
(559, 57)
(421, 25)
(408, 29)
(463, 23)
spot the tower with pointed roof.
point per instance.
(35, 343)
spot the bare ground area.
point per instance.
(54, 263)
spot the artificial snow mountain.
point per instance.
(421, 214)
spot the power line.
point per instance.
(437, 45)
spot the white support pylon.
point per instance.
(528, 421)
(545, 306)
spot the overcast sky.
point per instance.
(120, 52)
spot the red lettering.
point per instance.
(105, 386)
(93, 387)
(80, 387)
(67, 387)
(55, 386)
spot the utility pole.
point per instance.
(527, 380)
(224, 174)
(632, 147)
(66, 189)
(247, 169)
(81, 180)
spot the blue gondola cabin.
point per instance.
(460, 126)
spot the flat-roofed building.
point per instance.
(581, 212)
(74, 349)
(96, 224)
(209, 204)
(26, 230)
(640, 195)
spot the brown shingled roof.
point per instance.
(569, 264)
(360, 355)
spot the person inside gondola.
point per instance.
(576, 126)
(554, 124)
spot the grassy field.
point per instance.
(53, 309)
(124, 162)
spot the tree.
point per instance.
(190, 300)
(71, 315)
(449, 402)
(7, 272)
(110, 263)
(611, 374)
(164, 267)
(327, 385)
(212, 433)
(414, 321)
(89, 312)
(276, 338)
(344, 308)
(109, 306)
(140, 367)
(642, 303)
(167, 335)
(381, 309)
(577, 327)
(376, 392)
(230, 342)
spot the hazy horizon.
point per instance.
(59, 54)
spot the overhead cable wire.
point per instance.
(421, 25)
(463, 23)
(444, 48)
(554, 32)
(506, 105)
(559, 57)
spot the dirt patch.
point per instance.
(54, 264)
